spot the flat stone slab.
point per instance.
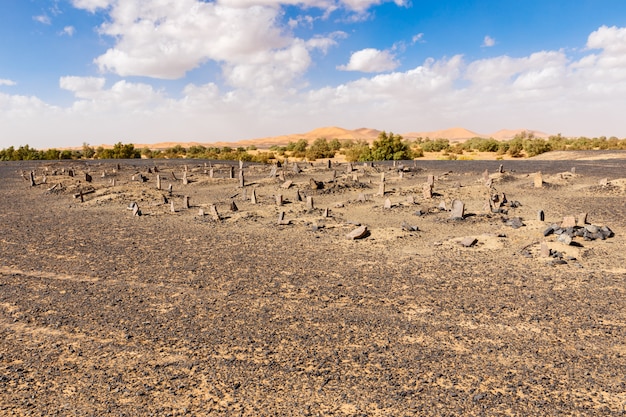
(468, 242)
(358, 233)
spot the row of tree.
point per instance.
(387, 146)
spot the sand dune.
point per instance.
(456, 134)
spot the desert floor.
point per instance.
(171, 313)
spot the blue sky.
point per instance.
(145, 71)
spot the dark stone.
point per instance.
(515, 222)
(409, 228)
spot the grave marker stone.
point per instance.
(458, 210)
(427, 191)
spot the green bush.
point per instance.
(390, 147)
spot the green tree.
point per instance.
(359, 151)
(390, 147)
(320, 148)
(88, 151)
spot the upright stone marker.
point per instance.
(568, 221)
(214, 214)
(458, 210)
(253, 199)
(158, 182)
(430, 180)
(186, 201)
(279, 200)
(538, 180)
(387, 204)
(427, 191)
(32, 179)
(309, 203)
(233, 206)
(381, 189)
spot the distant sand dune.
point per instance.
(456, 134)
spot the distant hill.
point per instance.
(505, 134)
(456, 134)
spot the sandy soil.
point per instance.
(177, 313)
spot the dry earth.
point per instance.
(175, 313)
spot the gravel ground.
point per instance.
(174, 313)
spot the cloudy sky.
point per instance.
(144, 71)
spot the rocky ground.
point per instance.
(177, 312)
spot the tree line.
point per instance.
(387, 146)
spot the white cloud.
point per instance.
(43, 19)
(488, 41)
(93, 5)
(418, 38)
(370, 60)
(545, 90)
(83, 87)
(7, 82)
(167, 38)
(68, 30)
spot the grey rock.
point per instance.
(565, 238)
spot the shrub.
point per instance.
(390, 147)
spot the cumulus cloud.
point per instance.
(168, 38)
(370, 60)
(7, 82)
(488, 41)
(83, 87)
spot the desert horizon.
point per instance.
(456, 134)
